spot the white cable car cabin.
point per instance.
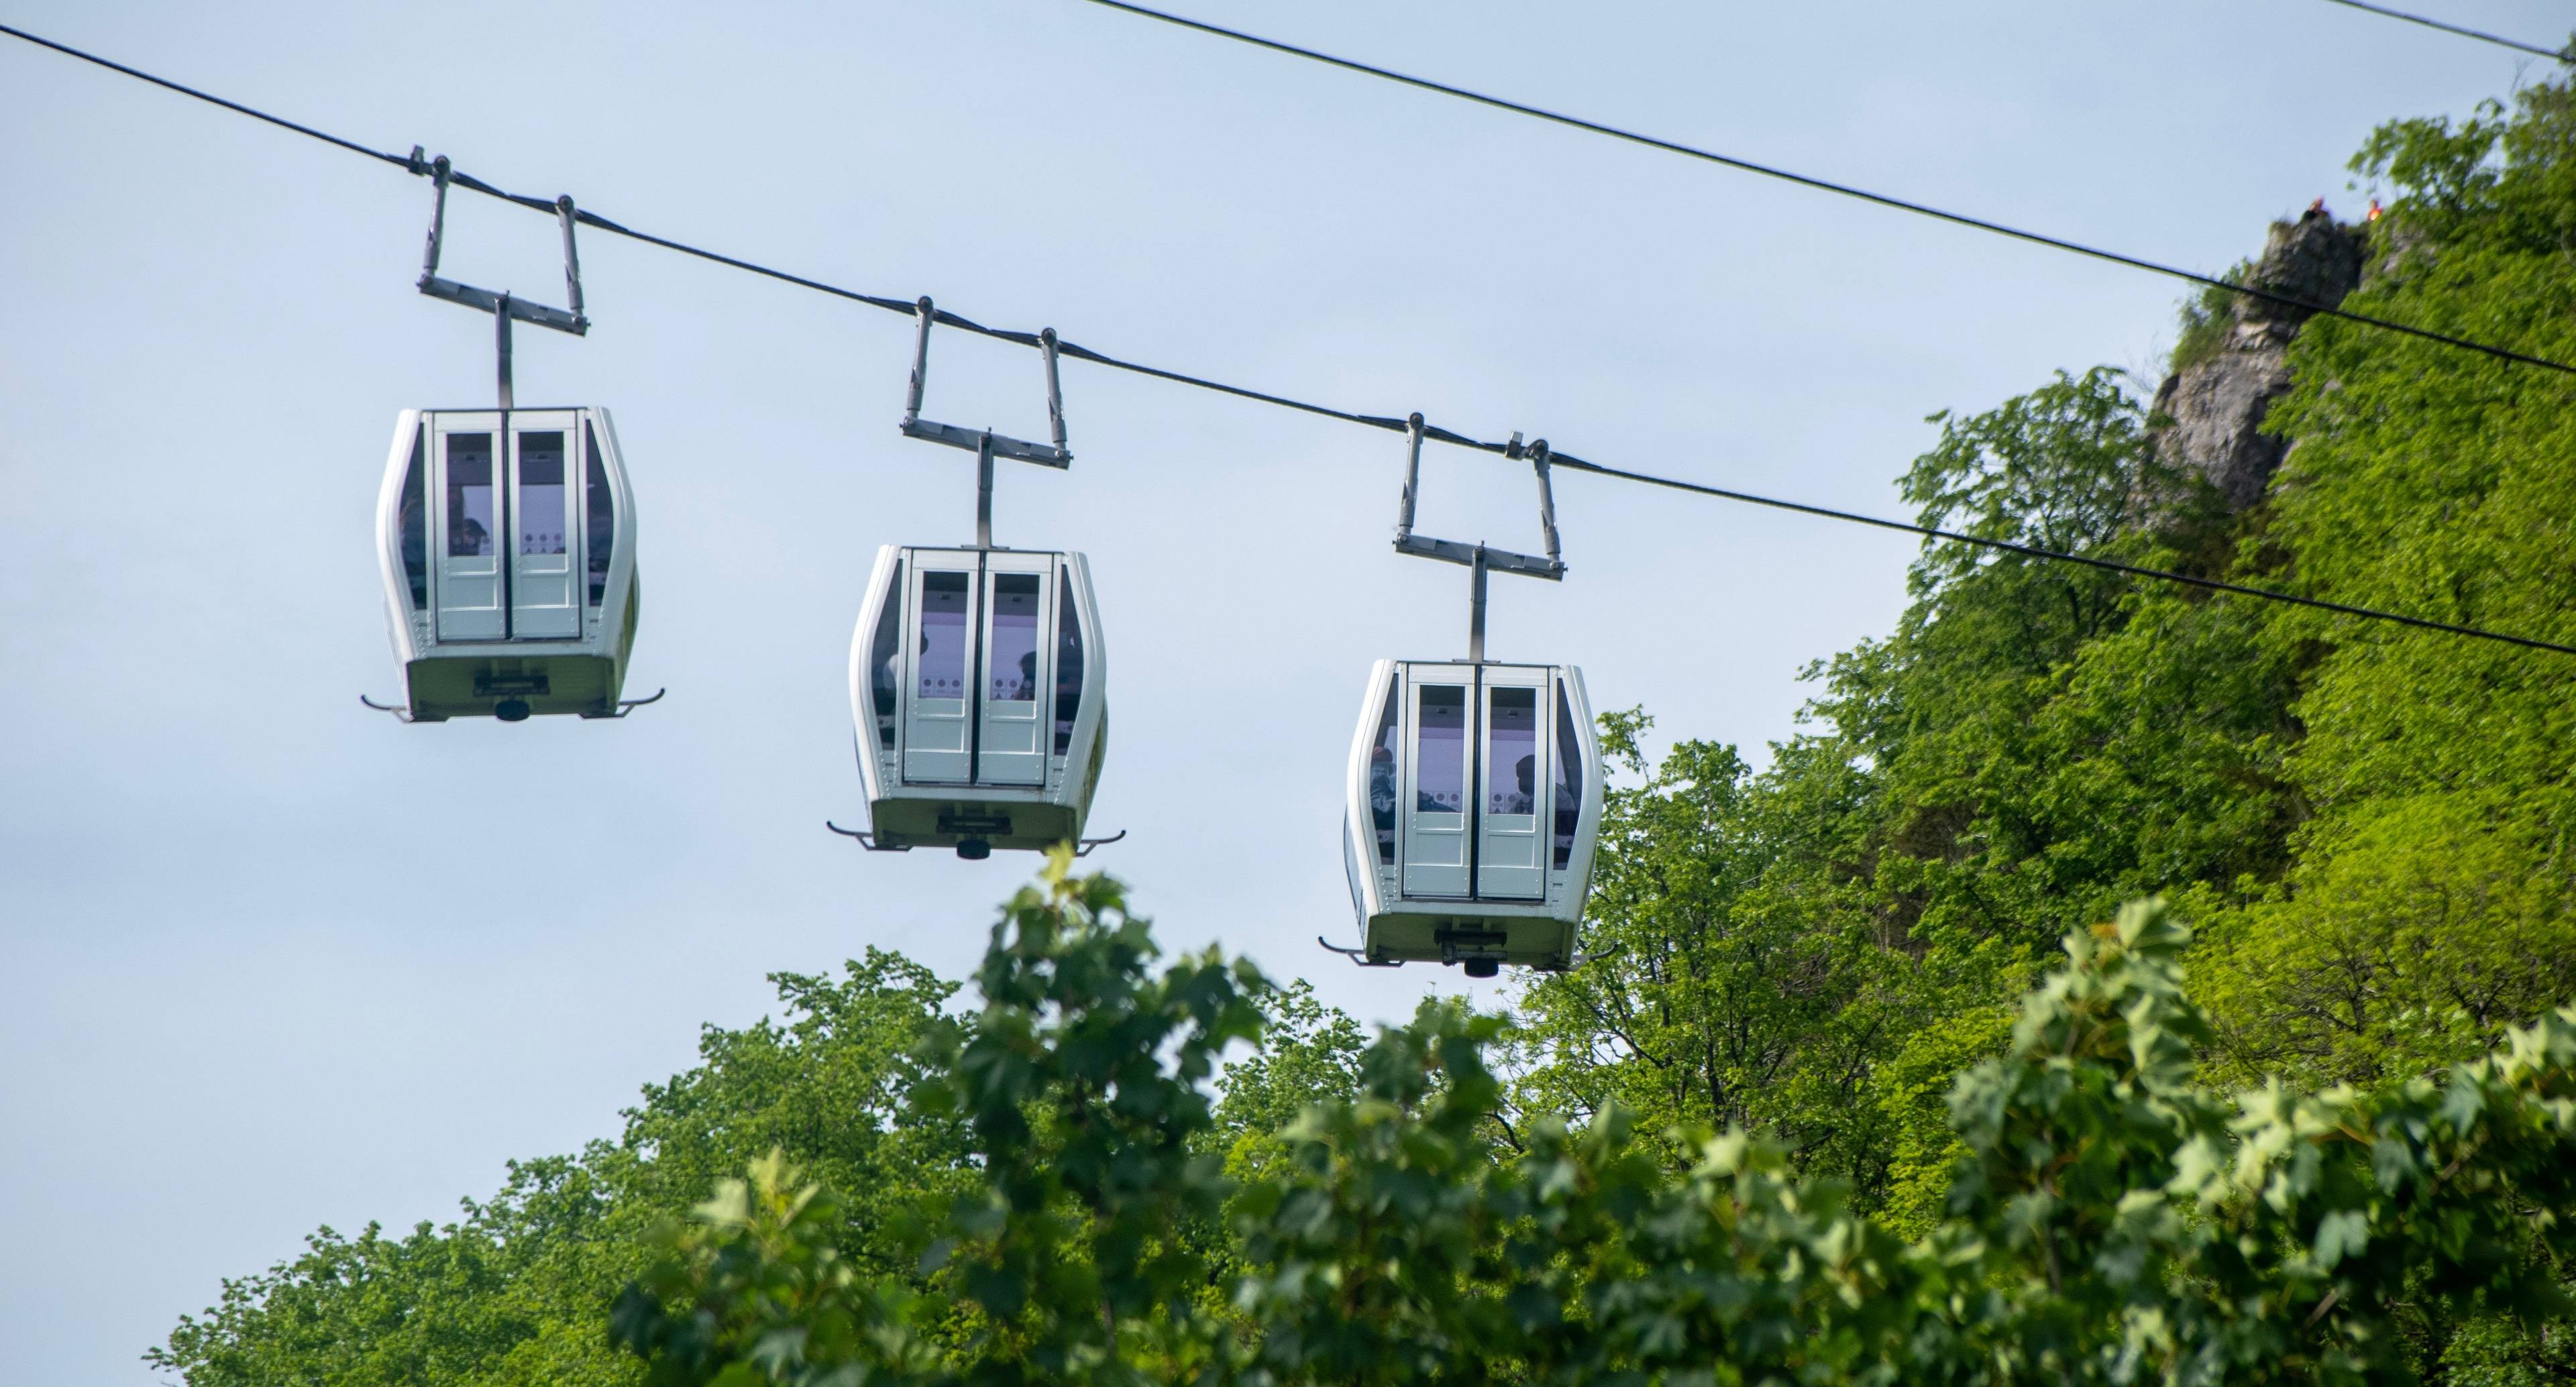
(976, 682)
(1474, 806)
(506, 538)
(977, 675)
(1474, 786)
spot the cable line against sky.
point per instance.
(417, 164)
(1841, 189)
(2479, 34)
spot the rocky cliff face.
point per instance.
(2217, 403)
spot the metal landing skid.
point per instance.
(1478, 950)
(971, 849)
(516, 710)
(1462, 947)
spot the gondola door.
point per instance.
(940, 646)
(1437, 768)
(465, 534)
(1511, 845)
(1011, 731)
(544, 526)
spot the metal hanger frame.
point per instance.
(1479, 558)
(504, 306)
(985, 444)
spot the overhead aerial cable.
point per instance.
(901, 305)
(2561, 54)
(978, 679)
(1075, 351)
(1841, 189)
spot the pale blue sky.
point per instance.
(268, 960)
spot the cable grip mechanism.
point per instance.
(1478, 558)
(984, 443)
(503, 306)
(974, 440)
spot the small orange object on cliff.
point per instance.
(2373, 214)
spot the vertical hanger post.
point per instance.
(920, 364)
(1476, 608)
(1055, 393)
(984, 492)
(1546, 499)
(1412, 477)
(501, 345)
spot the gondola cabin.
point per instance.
(507, 540)
(976, 681)
(1475, 802)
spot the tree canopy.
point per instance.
(2109, 1219)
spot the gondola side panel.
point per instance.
(1087, 752)
(1359, 813)
(399, 613)
(622, 598)
(1587, 831)
(874, 745)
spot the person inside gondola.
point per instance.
(1382, 796)
(883, 693)
(415, 547)
(1569, 807)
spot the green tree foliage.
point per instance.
(515, 1291)
(2433, 900)
(1812, 951)
(2374, 824)
(1309, 1053)
(1083, 1088)
(1729, 986)
(2111, 1220)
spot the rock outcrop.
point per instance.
(2216, 403)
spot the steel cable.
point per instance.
(2467, 33)
(413, 164)
(1843, 189)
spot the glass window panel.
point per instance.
(541, 493)
(941, 667)
(1569, 779)
(1382, 776)
(415, 521)
(1068, 663)
(470, 526)
(1440, 750)
(1511, 744)
(599, 516)
(884, 654)
(1013, 677)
